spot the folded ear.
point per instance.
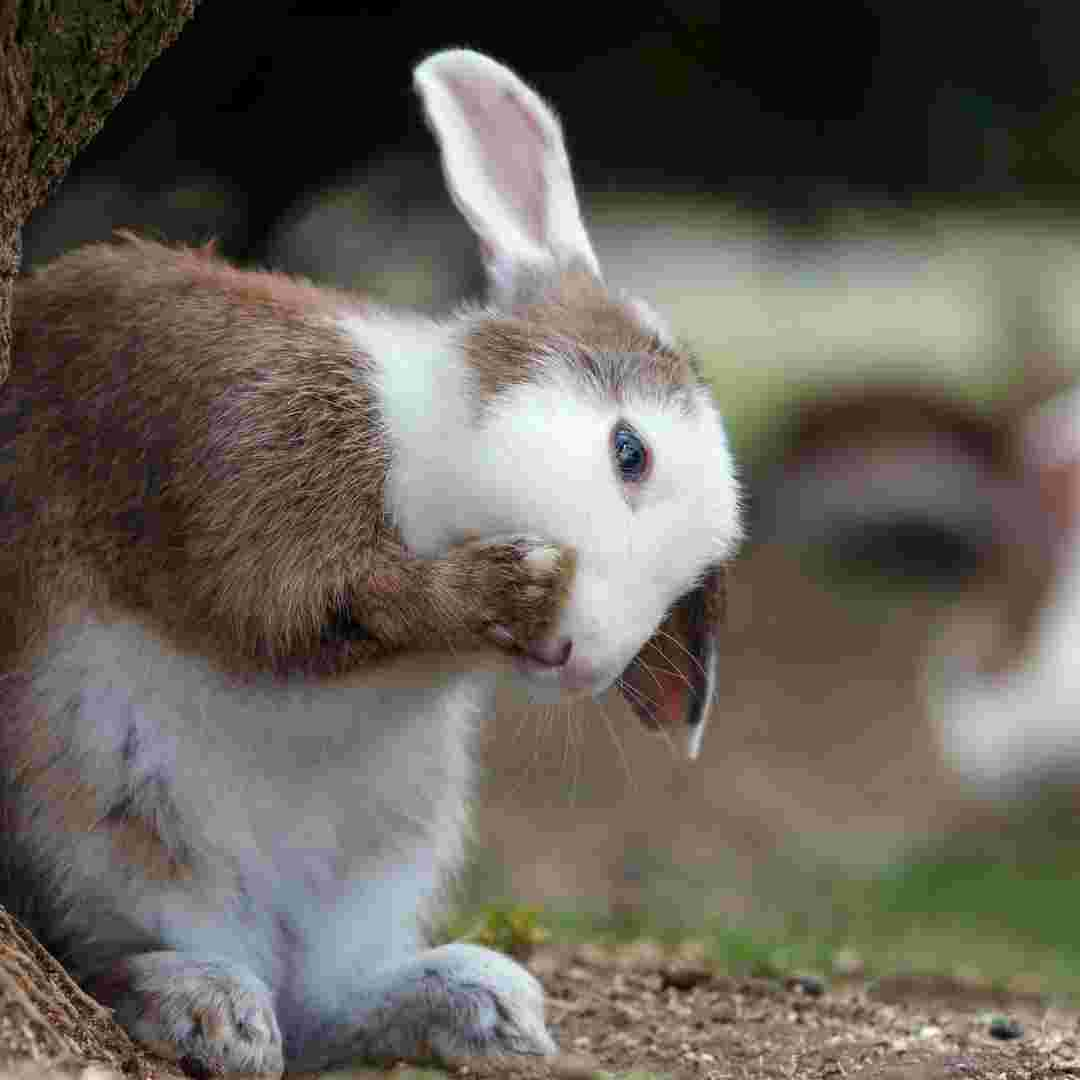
(671, 683)
(506, 167)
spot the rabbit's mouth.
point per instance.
(555, 673)
(671, 683)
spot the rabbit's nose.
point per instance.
(552, 652)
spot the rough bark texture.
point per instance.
(64, 64)
(50, 1028)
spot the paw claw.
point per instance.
(501, 636)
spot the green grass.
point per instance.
(1000, 909)
(1004, 906)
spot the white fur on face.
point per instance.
(638, 551)
(539, 463)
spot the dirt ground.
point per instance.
(634, 1010)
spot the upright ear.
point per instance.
(506, 167)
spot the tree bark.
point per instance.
(64, 64)
(52, 1030)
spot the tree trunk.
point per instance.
(64, 64)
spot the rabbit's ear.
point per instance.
(1052, 448)
(506, 166)
(671, 683)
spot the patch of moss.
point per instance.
(85, 55)
(513, 929)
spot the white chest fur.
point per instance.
(315, 818)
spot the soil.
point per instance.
(633, 1009)
(636, 1010)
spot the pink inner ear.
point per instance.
(511, 147)
(1060, 488)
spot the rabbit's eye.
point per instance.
(631, 454)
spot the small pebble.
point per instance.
(1004, 1027)
(685, 977)
(811, 985)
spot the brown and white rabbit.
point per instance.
(1008, 726)
(265, 550)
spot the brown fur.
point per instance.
(54, 792)
(1019, 565)
(887, 415)
(137, 842)
(196, 444)
(575, 321)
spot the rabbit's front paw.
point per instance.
(521, 584)
(209, 1015)
(453, 1004)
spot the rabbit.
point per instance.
(1003, 692)
(266, 550)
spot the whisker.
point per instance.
(534, 717)
(572, 731)
(666, 736)
(618, 746)
(539, 741)
(670, 667)
(660, 729)
(635, 693)
(648, 667)
(566, 742)
(677, 642)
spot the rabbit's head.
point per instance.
(588, 423)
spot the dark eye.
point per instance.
(631, 454)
